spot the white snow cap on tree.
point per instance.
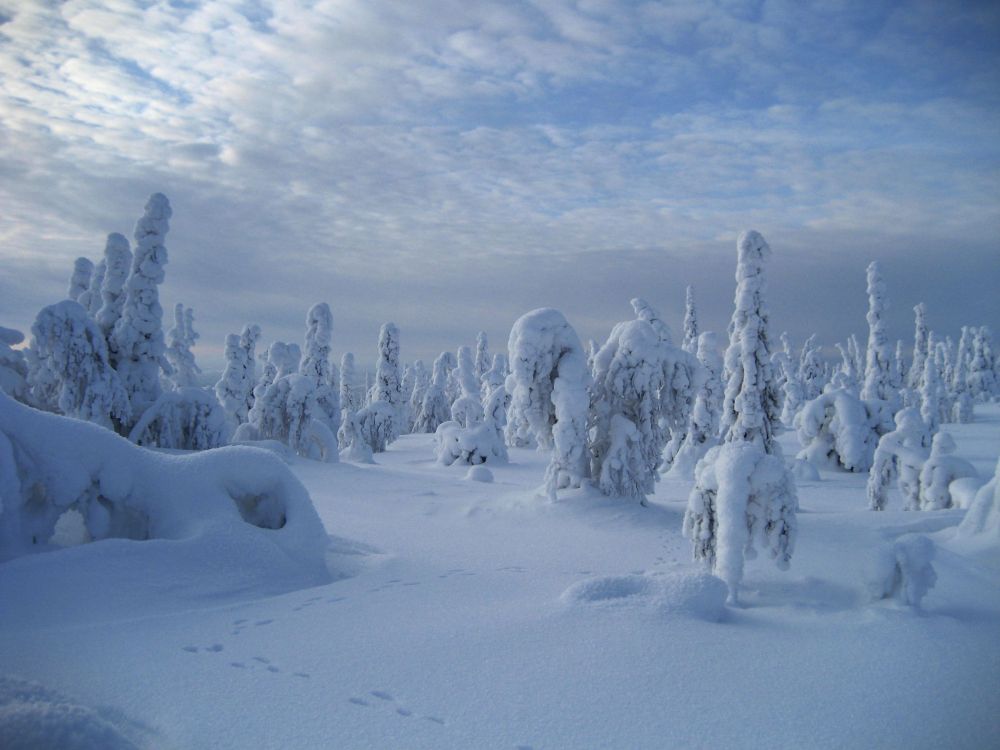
(90, 300)
(878, 361)
(690, 344)
(350, 396)
(921, 340)
(138, 335)
(235, 387)
(79, 281)
(73, 374)
(744, 496)
(317, 367)
(435, 407)
(387, 386)
(644, 311)
(839, 430)
(550, 379)
(180, 339)
(118, 261)
(483, 359)
(901, 454)
(961, 393)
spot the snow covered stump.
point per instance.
(744, 497)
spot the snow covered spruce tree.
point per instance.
(317, 367)
(350, 396)
(79, 281)
(421, 382)
(235, 388)
(118, 261)
(878, 359)
(743, 494)
(811, 369)
(900, 454)
(435, 407)
(839, 430)
(181, 338)
(472, 436)
(982, 380)
(703, 429)
(550, 380)
(138, 335)
(921, 340)
(13, 367)
(961, 394)
(467, 409)
(494, 377)
(386, 389)
(483, 359)
(70, 371)
(690, 343)
(90, 300)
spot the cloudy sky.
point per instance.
(452, 164)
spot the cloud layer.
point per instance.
(449, 165)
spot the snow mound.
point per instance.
(479, 474)
(803, 471)
(240, 511)
(904, 572)
(697, 595)
(982, 520)
(32, 717)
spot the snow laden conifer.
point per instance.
(71, 373)
(703, 429)
(118, 261)
(90, 300)
(930, 391)
(435, 407)
(982, 376)
(495, 376)
(921, 341)
(900, 453)
(350, 396)
(235, 388)
(483, 359)
(961, 395)
(387, 389)
(13, 367)
(467, 409)
(180, 339)
(79, 281)
(811, 369)
(138, 335)
(317, 367)
(743, 494)
(421, 382)
(549, 380)
(690, 343)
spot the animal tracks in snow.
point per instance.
(380, 699)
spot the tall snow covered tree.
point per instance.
(690, 344)
(960, 379)
(743, 494)
(811, 369)
(138, 335)
(350, 396)
(317, 367)
(467, 409)
(421, 382)
(79, 281)
(931, 390)
(180, 340)
(550, 380)
(72, 374)
(387, 386)
(90, 300)
(435, 407)
(483, 359)
(645, 311)
(703, 430)
(878, 360)
(921, 336)
(982, 375)
(117, 261)
(235, 388)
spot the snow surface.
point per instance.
(479, 615)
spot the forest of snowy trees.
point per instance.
(614, 416)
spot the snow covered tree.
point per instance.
(940, 469)
(350, 396)
(743, 494)
(930, 391)
(467, 409)
(900, 453)
(845, 377)
(921, 337)
(183, 419)
(90, 300)
(839, 430)
(811, 369)
(494, 377)
(904, 571)
(117, 261)
(792, 390)
(962, 398)
(550, 380)
(406, 389)
(703, 429)
(13, 367)
(982, 379)
(483, 359)
(644, 311)
(72, 373)
(79, 281)
(421, 382)
(690, 344)
(137, 339)
(181, 338)
(435, 407)
(387, 385)
(317, 367)
(235, 388)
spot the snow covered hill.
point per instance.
(470, 614)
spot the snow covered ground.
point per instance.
(478, 615)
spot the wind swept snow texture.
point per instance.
(243, 503)
(550, 380)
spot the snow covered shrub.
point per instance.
(79, 282)
(183, 419)
(435, 407)
(939, 471)
(376, 424)
(550, 380)
(899, 453)
(71, 371)
(235, 386)
(354, 447)
(13, 367)
(387, 387)
(839, 430)
(904, 571)
(982, 520)
(181, 338)
(137, 339)
(475, 434)
(238, 498)
(744, 497)
(117, 260)
(289, 412)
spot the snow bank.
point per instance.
(697, 595)
(240, 497)
(982, 521)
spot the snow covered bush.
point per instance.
(354, 447)
(242, 502)
(181, 338)
(839, 430)
(71, 372)
(137, 339)
(376, 424)
(744, 497)
(550, 381)
(477, 437)
(183, 419)
(900, 453)
(939, 471)
(13, 367)
(235, 386)
(904, 571)
(289, 413)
